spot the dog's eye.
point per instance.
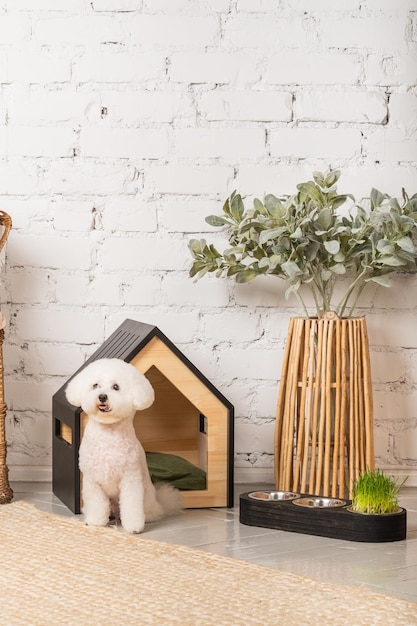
(95, 385)
(116, 387)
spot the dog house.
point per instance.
(190, 419)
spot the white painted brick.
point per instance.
(413, 368)
(403, 111)
(220, 6)
(260, 436)
(180, 179)
(184, 291)
(29, 395)
(45, 5)
(33, 64)
(265, 402)
(297, 68)
(19, 176)
(398, 69)
(388, 179)
(178, 328)
(121, 6)
(118, 67)
(80, 176)
(129, 214)
(85, 291)
(54, 252)
(328, 143)
(262, 106)
(181, 32)
(144, 290)
(38, 141)
(32, 214)
(401, 295)
(34, 286)
(384, 329)
(271, 32)
(172, 6)
(388, 367)
(231, 326)
(229, 143)
(76, 30)
(63, 326)
(141, 253)
(14, 29)
(39, 105)
(373, 33)
(266, 291)
(101, 141)
(252, 363)
(405, 442)
(257, 6)
(260, 180)
(128, 107)
(188, 215)
(73, 215)
(214, 67)
(341, 106)
(391, 144)
(46, 358)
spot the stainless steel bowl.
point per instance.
(273, 495)
(319, 503)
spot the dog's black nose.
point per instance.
(102, 397)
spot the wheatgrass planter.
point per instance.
(316, 515)
(190, 418)
(324, 423)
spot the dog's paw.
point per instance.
(133, 527)
(95, 521)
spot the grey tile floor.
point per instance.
(389, 568)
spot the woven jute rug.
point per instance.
(55, 571)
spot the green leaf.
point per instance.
(291, 268)
(391, 261)
(215, 220)
(338, 268)
(384, 281)
(311, 191)
(319, 178)
(385, 247)
(332, 178)
(237, 208)
(406, 244)
(245, 276)
(272, 234)
(332, 247)
(324, 219)
(377, 198)
(292, 289)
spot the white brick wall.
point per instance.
(123, 123)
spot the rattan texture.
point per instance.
(56, 570)
(6, 493)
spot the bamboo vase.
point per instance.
(324, 425)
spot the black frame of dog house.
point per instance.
(124, 343)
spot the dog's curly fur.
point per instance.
(111, 458)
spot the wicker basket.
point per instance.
(6, 494)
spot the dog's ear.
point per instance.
(75, 389)
(143, 394)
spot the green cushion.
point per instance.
(169, 468)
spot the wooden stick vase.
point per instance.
(324, 425)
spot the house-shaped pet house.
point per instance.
(189, 419)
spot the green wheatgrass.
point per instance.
(375, 493)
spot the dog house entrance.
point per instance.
(172, 425)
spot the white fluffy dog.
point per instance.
(111, 458)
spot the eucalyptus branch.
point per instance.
(299, 237)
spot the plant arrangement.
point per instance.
(312, 239)
(375, 493)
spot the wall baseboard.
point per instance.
(243, 475)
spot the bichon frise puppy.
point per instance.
(111, 458)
